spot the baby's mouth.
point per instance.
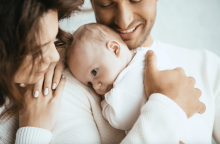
(109, 88)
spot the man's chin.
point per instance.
(132, 44)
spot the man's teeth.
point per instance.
(128, 31)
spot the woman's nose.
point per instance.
(52, 55)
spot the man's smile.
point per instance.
(129, 33)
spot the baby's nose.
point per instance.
(97, 85)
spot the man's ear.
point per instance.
(114, 47)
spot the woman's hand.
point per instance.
(173, 84)
(42, 112)
(52, 77)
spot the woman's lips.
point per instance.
(129, 35)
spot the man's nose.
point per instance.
(123, 16)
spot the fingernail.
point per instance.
(63, 76)
(36, 94)
(54, 85)
(46, 91)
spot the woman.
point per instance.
(28, 30)
(28, 53)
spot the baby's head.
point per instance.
(97, 56)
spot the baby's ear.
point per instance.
(114, 46)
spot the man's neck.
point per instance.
(130, 56)
(149, 41)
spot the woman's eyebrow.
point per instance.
(45, 44)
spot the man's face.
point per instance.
(132, 19)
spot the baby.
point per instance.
(99, 58)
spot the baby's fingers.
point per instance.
(58, 73)
(37, 88)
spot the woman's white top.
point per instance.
(80, 117)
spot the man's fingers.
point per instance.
(48, 79)
(151, 61)
(181, 70)
(192, 81)
(59, 90)
(37, 88)
(57, 74)
(198, 92)
(202, 108)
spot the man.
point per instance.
(133, 20)
(80, 119)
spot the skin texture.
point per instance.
(49, 64)
(49, 52)
(174, 84)
(108, 61)
(122, 15)
(42, 112)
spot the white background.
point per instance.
(193, 24)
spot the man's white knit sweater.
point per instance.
(161, 120)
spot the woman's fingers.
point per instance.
(48, 79)
(37, 88)
(59, 91)
(58, 73)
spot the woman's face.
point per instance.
(49, 30)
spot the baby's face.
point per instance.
(95, 67)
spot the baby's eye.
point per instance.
(94, 72)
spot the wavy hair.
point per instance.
(19, 29)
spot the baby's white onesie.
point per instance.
(122, 105)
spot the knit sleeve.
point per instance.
(33, 135)
(160, 121)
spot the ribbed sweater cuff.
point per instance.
(174, 107)
(33, 135)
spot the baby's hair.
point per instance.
(95, 34)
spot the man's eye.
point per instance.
(105, 6)
(94, 72)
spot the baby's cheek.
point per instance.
(100, 92)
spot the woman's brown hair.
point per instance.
(19, 28)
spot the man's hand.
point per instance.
(173, 84)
